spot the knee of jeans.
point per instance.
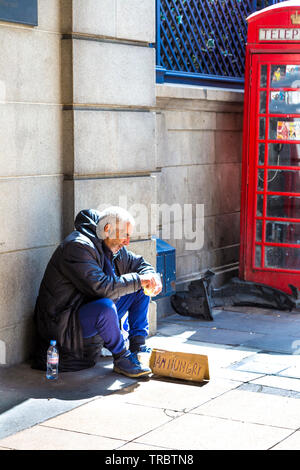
(108, 307)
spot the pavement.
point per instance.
(251, 402)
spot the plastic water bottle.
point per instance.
(52, 361)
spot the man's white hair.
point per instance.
(112, 215)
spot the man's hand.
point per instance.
(151, 283)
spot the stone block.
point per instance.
(228, 146)
(21, 273)
(230, 121)
(180, 92)
(67, 132)
(204, 233)
(176, 97)
(190, 120)
(161, 140)
(66, 71)
(49, 15)
(30, 65)
(145, 248)
(97, 18)
(122, 19)
(187, 266)
(31, 139)
(190, 264)
(185, 235)
(187, 147)
(106, 73)
(16, 342)
(221, 94)
(217, 187)
(152, 318)
(136, 20)
(118, 142)
(191, 185)
(227, 229)
(31, 209)
(228, 182)
(135, 194)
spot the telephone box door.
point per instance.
(272, 223)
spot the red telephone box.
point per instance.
(270, 203)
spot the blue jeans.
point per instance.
(102, 316)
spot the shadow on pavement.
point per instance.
(28, 398)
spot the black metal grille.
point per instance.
(204, 38)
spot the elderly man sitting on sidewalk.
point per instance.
(90, 282)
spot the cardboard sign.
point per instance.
(180, 365)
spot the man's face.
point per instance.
(118, 236)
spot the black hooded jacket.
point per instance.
(77, 274)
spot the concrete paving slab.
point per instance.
(47, 438)
(275, 343)
(251, 407)
(237, 375)
(293, 372)
(264, 363)
(111, 418)
(138, 446)
(284, 383)
(229, 337)
(250, 401)
(208, 433)
(258, 322)
(292, 442)
(257, 388)
(175, 394)
(28, 398)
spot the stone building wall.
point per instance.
(82, 124)
(199, 138)
(76, 131)
(31, 169)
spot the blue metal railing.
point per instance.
(203, 41)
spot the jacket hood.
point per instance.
(86, 222)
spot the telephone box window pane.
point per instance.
(260, 180)
(258, 256)
(260, 205)
(283, 206)
(284, 128)
(261, 154)
(262, 102)
(285, 76)
(284, 154)
(282, 232)
(284, 181)
(282, 257)
(284, 102)
(263, 76)
(259, 230)
(262, 127)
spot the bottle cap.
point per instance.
(53, 342)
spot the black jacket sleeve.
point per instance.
(137, 264)
(80, 265)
